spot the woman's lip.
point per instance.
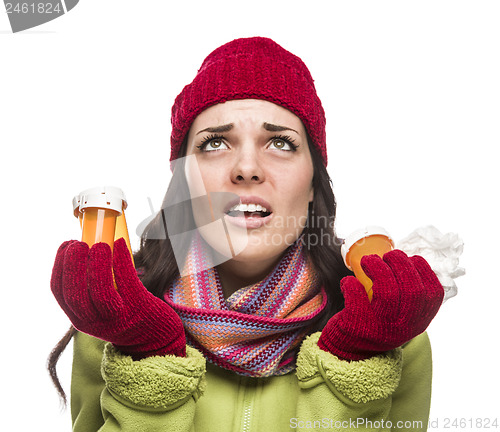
(251, 222)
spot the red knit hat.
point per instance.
(251, 68)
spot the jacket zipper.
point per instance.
(252, 392)
(247, 415)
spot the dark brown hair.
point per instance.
(156, 255)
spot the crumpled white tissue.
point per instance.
(442, 252)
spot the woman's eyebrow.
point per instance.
(218, 129)
(276, 128)
(227, 127)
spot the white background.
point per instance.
(411, 91)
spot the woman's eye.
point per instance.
(283, 144)
(213, 145)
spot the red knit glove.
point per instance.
(134, 320)
(406, 297)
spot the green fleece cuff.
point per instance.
(154, 383)
(358, 381)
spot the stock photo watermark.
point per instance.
(442, 423)
(24, 15)
(226, 223)
(357, 423)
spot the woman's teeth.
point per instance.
(254, 209)
(248, 207)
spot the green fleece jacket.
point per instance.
(112, 392)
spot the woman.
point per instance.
(250, 277)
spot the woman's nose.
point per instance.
(247, 168)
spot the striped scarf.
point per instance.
(257, 330)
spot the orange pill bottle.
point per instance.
(101, 214)
(121, 230)
(366, 241)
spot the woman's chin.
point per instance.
(249, 245)
(262, 246)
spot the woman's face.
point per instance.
(257, 153)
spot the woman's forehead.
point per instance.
(247, 113)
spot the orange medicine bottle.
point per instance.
(99, 209)
(366, 241)
(121, 229)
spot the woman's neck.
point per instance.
(234, 275)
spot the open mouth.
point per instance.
(248, 210)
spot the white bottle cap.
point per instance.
(359, 234)
(107, 197)
(76, 205)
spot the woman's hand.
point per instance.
(406, 297)
(131, 318)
